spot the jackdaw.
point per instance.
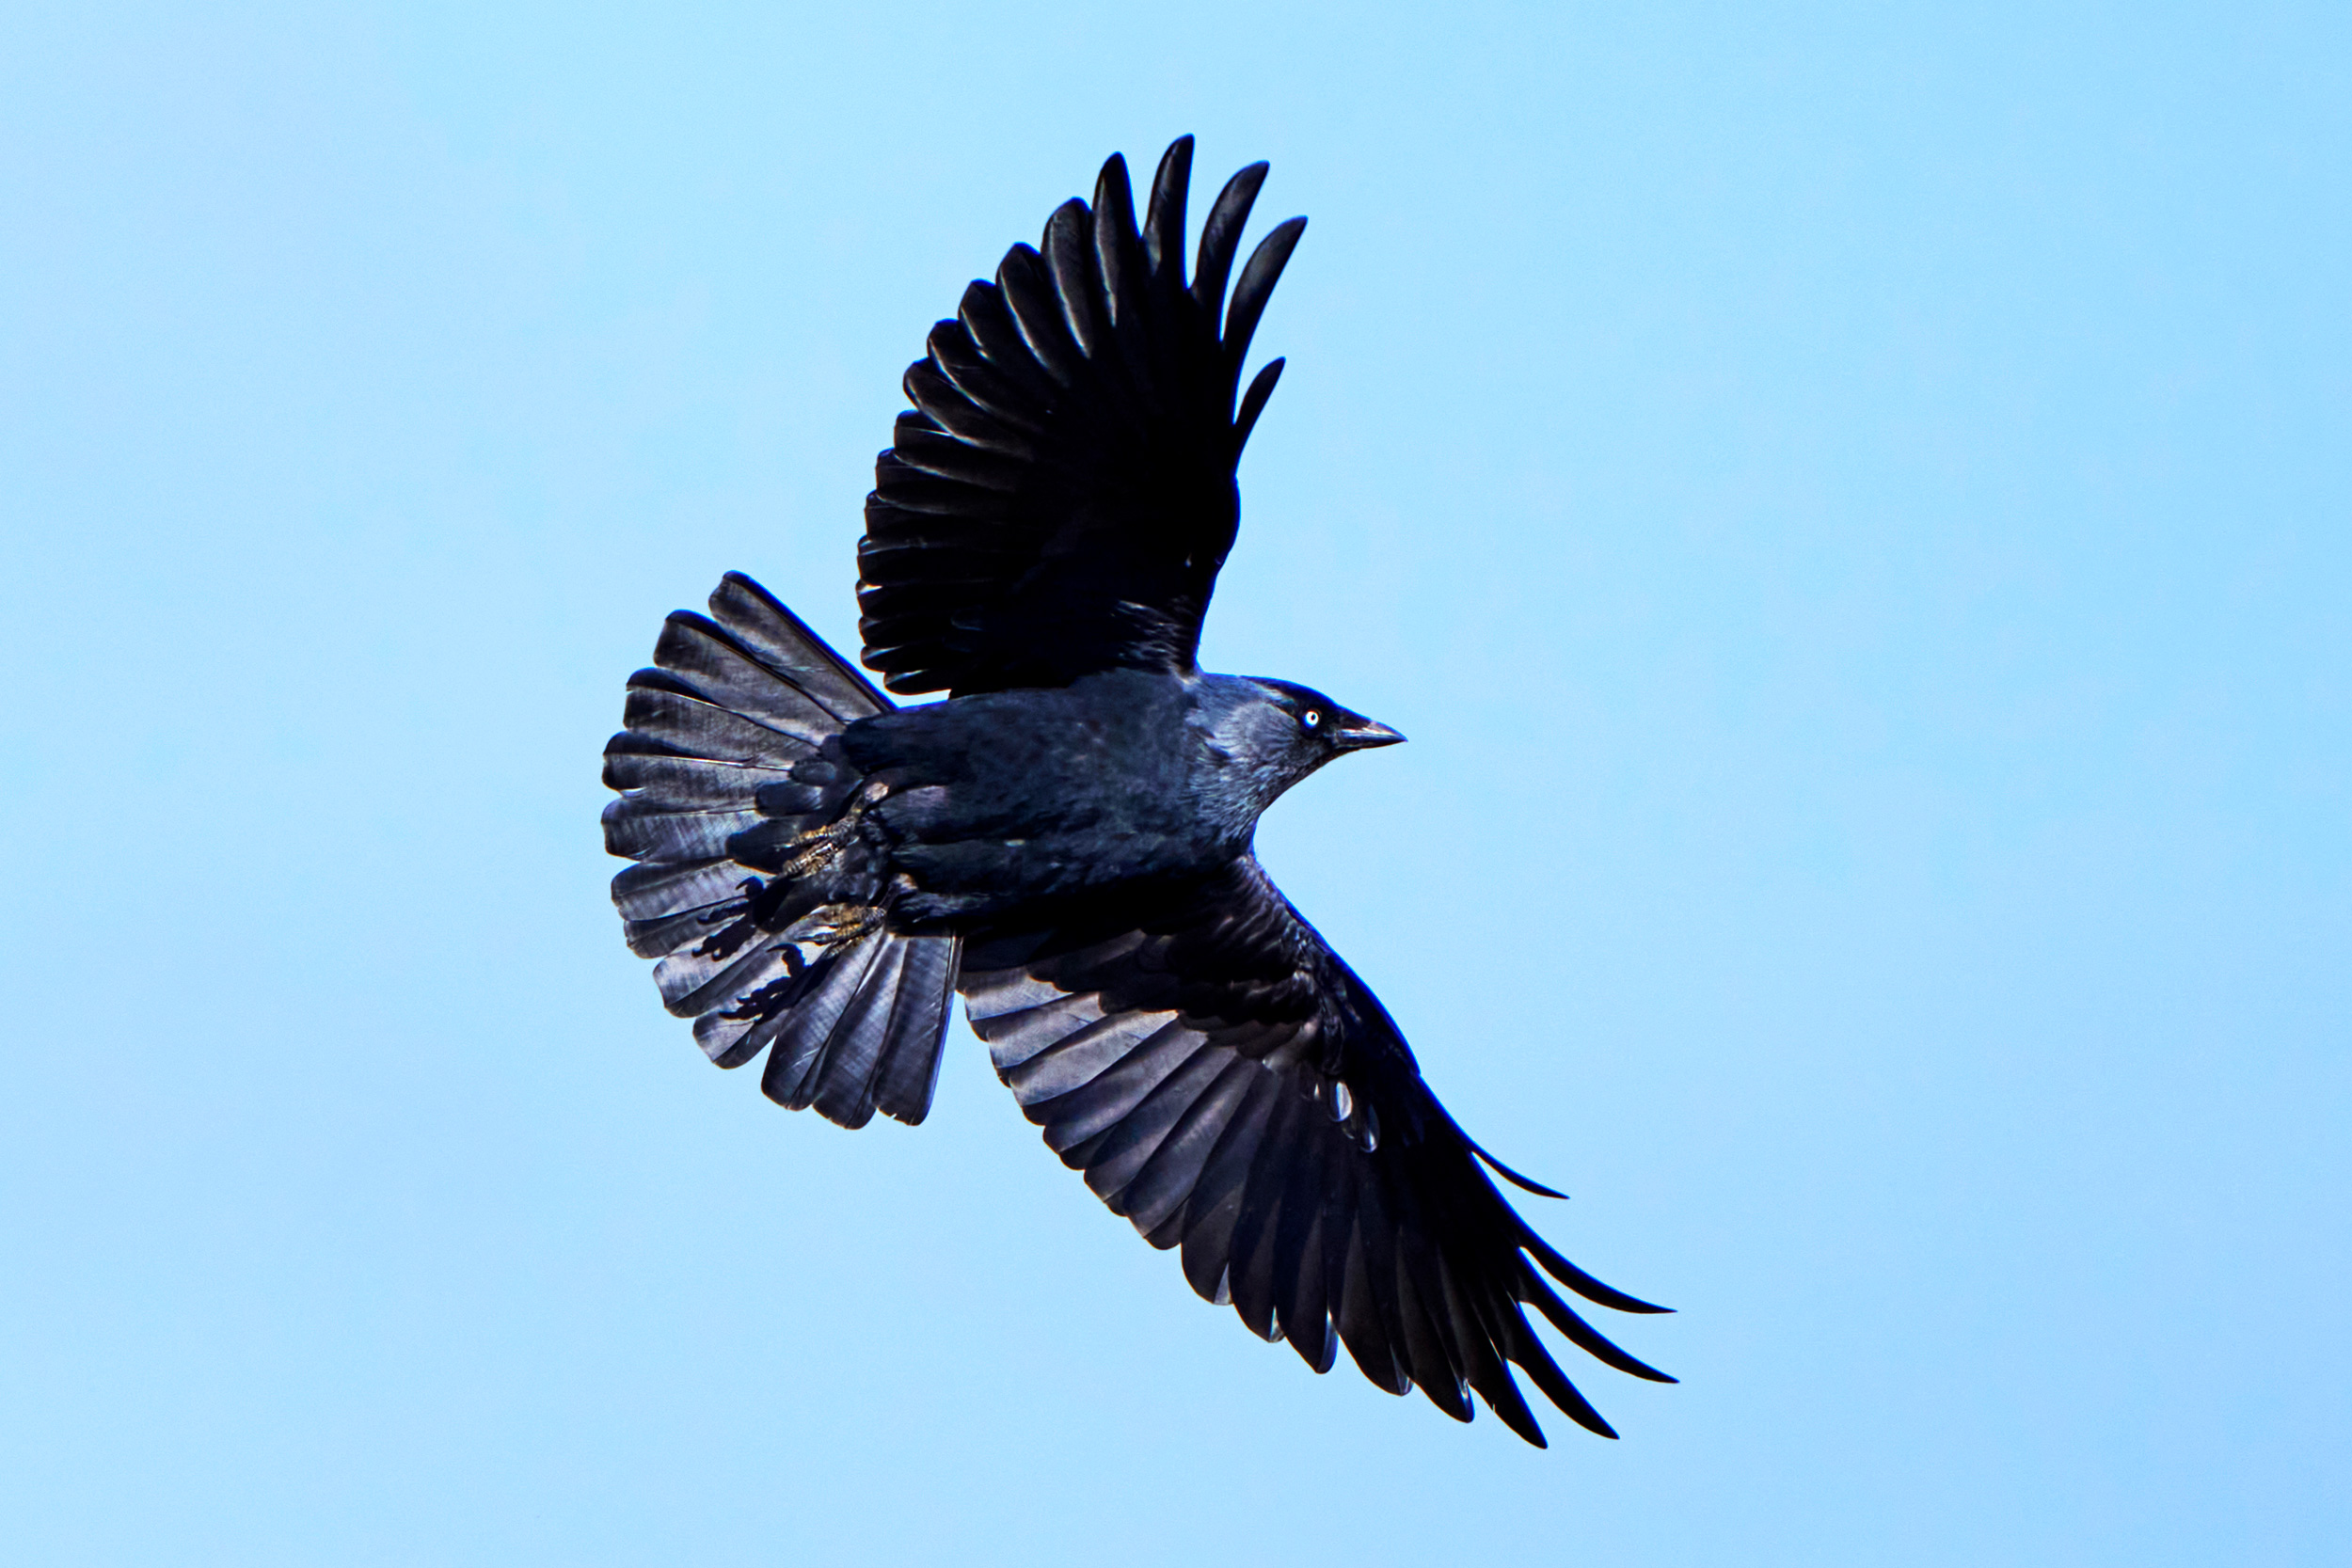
(1066, 838)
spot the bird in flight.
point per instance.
(1066, 838)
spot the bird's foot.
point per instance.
(814, 851)
(841, 924)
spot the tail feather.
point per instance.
(904, 1074)
(724, 670)
(722, 770)
(657, 901)
(777, 639)
(828, 1054)
(795, 1065)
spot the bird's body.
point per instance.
(1066, 839)
(1008, 796)
(992, 803)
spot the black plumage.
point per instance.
(1062, 496)
(1066, 838)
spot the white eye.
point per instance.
(1310, 718)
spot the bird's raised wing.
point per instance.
(1062, 496)
(1230, 1086)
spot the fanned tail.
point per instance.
(754, 887)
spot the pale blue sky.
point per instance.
(1850, 503)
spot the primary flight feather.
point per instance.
(1066, 839)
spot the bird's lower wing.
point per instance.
(1226, 1084)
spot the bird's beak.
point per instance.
(1361, 735)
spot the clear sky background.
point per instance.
(1851, 504)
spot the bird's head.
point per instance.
(1267, 735)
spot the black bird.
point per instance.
(1067, 838)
